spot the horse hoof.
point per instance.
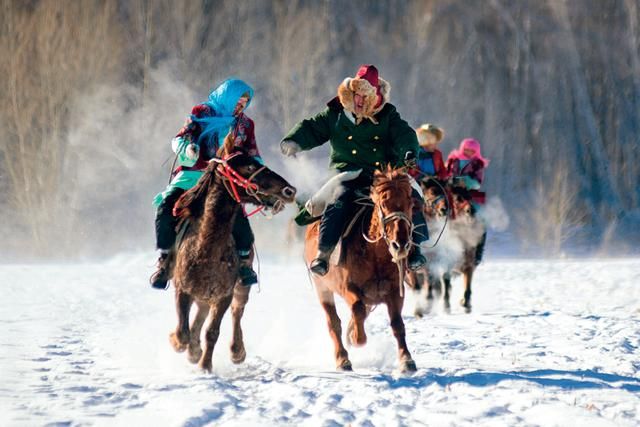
(195, 353)
(345, 366)
(176, 344)
(238, 355)
(408, 366)
(205, 366)
(466, 304)
(418, 314)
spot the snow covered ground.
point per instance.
(548, 343)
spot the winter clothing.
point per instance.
(371, 139)
(195, 144)
(430, 164)
(204, 131)
(467, 171)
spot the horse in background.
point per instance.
(206, 267)
(372, 268)
(447, 207)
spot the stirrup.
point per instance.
(159, 279)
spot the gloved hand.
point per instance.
(410, 159)
(192, 151)
(289, 148)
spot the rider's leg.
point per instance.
(331, 226)
(243, 236)
(420, 233)
(165, 238)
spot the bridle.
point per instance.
(232, 180)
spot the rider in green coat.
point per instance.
(366, 133)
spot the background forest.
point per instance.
(93, 91)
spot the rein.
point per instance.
(233, 180)
(384, 220)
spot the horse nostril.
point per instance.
(288, 192)
(395, 245)
(407, 246)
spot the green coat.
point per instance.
(365, 146)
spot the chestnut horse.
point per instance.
(206, 267)
(372, 271)
(448, 207)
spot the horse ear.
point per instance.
(227, 146)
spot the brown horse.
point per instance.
(450, 207)
(372, 271)
(206, 267)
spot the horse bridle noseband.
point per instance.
(232, 179)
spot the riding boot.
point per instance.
(246, 273)
(420, 234)
(160, 278)
(320, 264)
(480, 249)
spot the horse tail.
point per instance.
(191, 203)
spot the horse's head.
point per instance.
(246, 180)
(391, 195)
(435, 198)
(462, 203)
(253, 182)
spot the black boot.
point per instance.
(416, 260)
(247, 275)
(160, 279)
(320, 264)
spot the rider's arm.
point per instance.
(313, 132)
(403, 138)
(250, 143)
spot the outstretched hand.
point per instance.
(289, 148)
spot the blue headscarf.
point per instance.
(222, 101)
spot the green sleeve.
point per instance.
(313, 132)
(403, 137)
(179, 145)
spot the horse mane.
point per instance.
(191, 203)
(390, 176)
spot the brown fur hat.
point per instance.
(374, 97)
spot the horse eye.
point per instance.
(251, 168)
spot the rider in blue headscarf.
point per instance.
(195, 144)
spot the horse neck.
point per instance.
(218, 217)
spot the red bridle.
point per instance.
(236, 180)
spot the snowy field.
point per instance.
(547, 343)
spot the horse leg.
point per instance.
(431, 288)
(213, 331)
(394, 308)
(240, 298)
(356, 333)
(195, 350)
(335, 329)
(415, 281)
(467, 277)
(180, 337)
(446, 285)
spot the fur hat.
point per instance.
(367, 83)
(426, 128)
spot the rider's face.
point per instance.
(358, 103)
(429, 142)
(240, 106)
(469, 152)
